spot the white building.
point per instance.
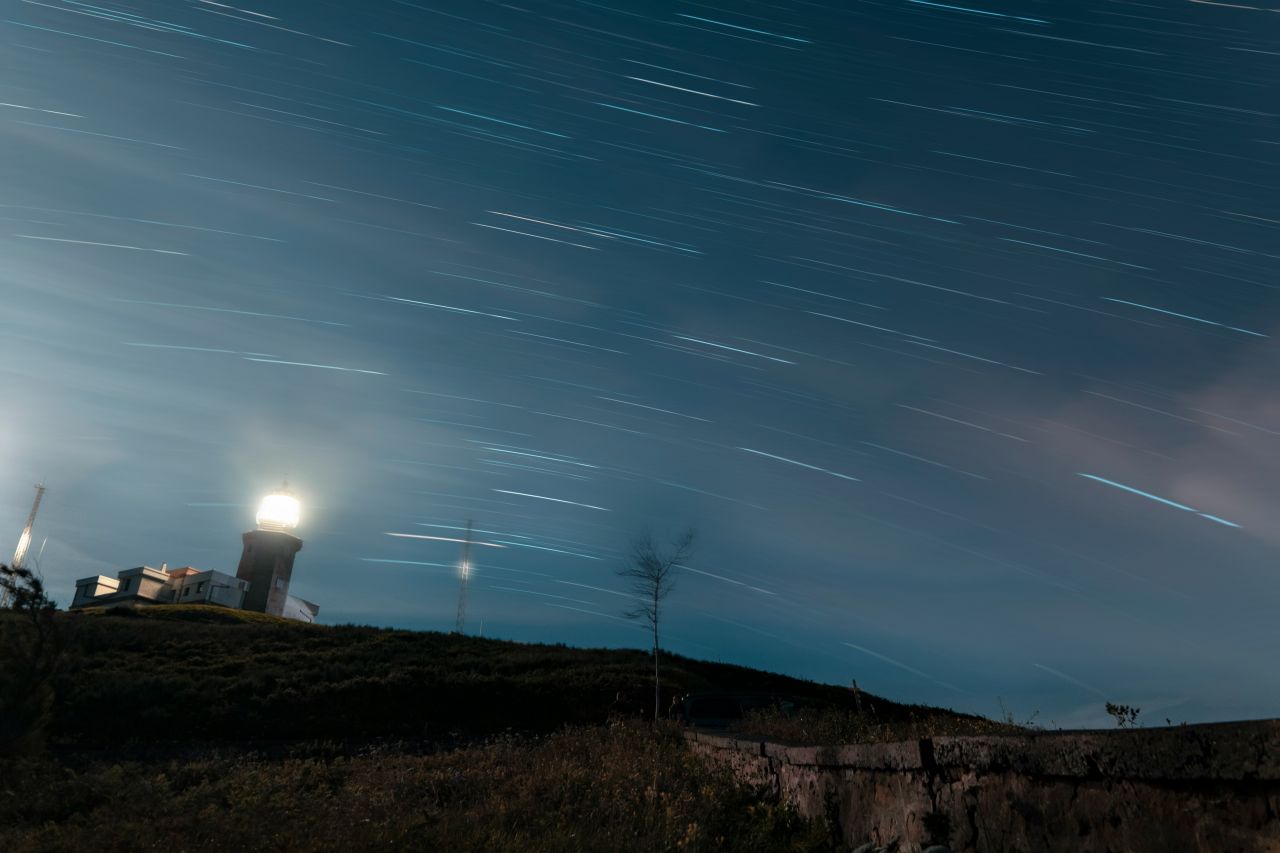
(261, 582)
(145, 585)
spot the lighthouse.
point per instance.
(267, 560)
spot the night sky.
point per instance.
(950, 328)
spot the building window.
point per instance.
(124, 587)
(187, 591)
(200, 587)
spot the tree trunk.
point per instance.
(656, 682)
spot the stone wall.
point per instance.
(1205, 788)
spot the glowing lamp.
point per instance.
(279, 510)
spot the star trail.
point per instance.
(950, 327)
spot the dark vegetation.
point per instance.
(199, 728)
(835, 726)
(201, 674)
(34, 644)
(624, 788)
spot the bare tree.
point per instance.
(651, 574)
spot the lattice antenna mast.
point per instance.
(464, 575)
(24, 541)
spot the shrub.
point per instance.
(626, 787)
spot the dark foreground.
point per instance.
(623, 787)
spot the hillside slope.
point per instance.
(199, 674)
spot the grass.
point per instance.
(627, 787)
(192, 674)
(198, 728)
(839, 726)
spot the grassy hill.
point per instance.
(200, 674)
(200, 728)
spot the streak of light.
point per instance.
(553, 224)
(653, 409)
(40, 110)
(1036, 230)
(456, 397)
(1185, 317)
(685, 488)
(925, 461)
(532, 469)
(744, 29)
(597, 613)
(745, 627)
(976, 11)
(1080, 41)
(272, 26)
(470, 426)
(320, 366)
(547, 548)
(693, 91)
(373, 195)
(310, 118)
(726, 580)
(686, 73)
(554, 500)
(903, 666)
(1077, 682)
(858, 202)
(867, 325)
(962, 423)
(175, 346)
(537, 236)
(106, 245)
(468, 498)
(596, 588)
(1240, 422)
(91, 38)
(592, 423)
(260, 187)
(449, 308)
(241, 11)
(541, 456)
(444, 539)
(801, 464)
(409, 563)
(540, 594)
(1083, 308)
(731, 349)
(474, 529)
(824, 295)
(662, 118)
(906, 281)
(1158, 499)
(502, 121)
(976, 358)
(1077, 254)
(101, 135)
(226, 311)
(566, 341)
(1158, 412)
(146, 222)
(1002, 163)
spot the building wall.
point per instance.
(1205, 788)
(145, 585)
(267, 564)
(89, 588)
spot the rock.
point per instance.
(937, 848)
(869, 847)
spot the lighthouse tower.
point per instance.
(267, 560)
